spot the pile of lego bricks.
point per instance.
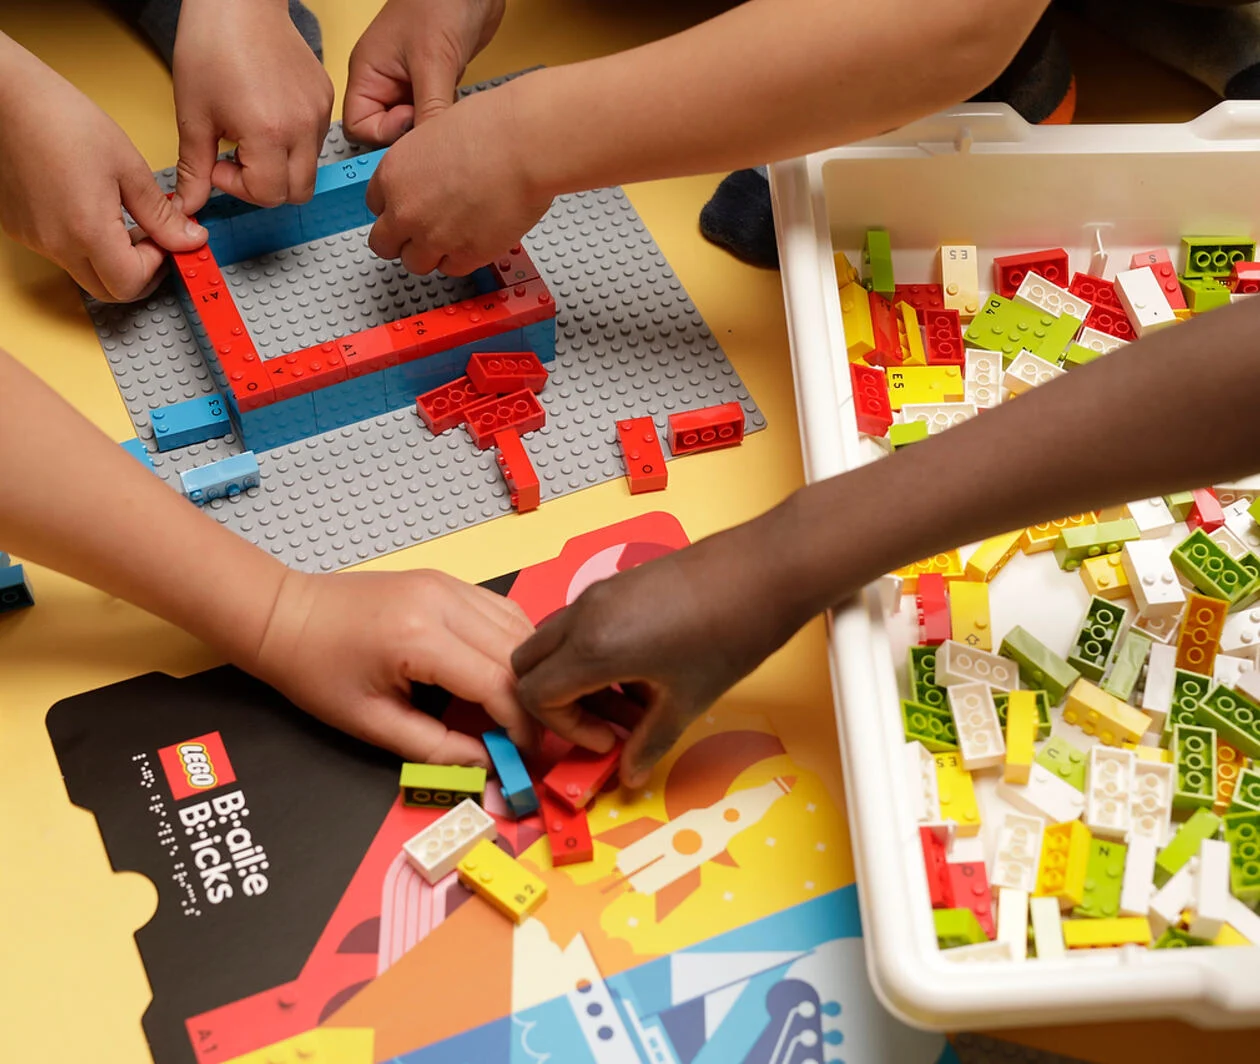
(1127, 807)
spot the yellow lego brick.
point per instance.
(323, 1045)
(992, 555)
(1097, 713)
(960, 279)
(1021, 735)
(1229, 763)
(504, 882)
(1097, 934)
(1041, 536)
(1064, 859)
(1104, 576)
(1201, 628)
(845, 273)
(924, 384)
(969, 614)
(1227, 936)
(957, 794)
(948, 564)
(1183, 314)
(910, 335)
(1112, 513)
(855, 309)
(1153, 753)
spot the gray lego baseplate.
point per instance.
(629, 343)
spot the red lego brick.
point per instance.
(514, 267)
(199, 272)
(576, 779)
(870, 399)
(937, 869)
(1149, 258)
(887, 339)
(1244, 278)
(518, 471)
(645, 461)
(920, 296)
(1009, 271)
(934, 626)
(443, 408)
(1165, 273)
(568, 832)
(249, 383)
(1206, 513)
(708, 429)
(305, 371)
(1095, 290)
(369, 351)
(520, 411)
(969, 886)
(944, 339)
(497, 373)
(1114, 321)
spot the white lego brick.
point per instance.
(1097, 340)
(1243, 920)
(944, 831)
(1228, 542)
(1241, 634)
(957, 663)
(1047, 925)
(1161, 668)
(980, 742)
(1151, 800)
(1044, 795)
(1162, 628)
(924, 793)
(997, 950)
(982, 379)
(1211, 889)
(1035, 291)
(1240, 522)
(1012, 921)
(1152, 579)
(938, 416)
(1172, 898)
(1143, 300)
(1249, 684)
(1017, 854)
(1107, 788)
(436, 850)
(872, 449)
(1152, 516)
(1098, 256)
(960, 279)
(1244, 491)
(889, 586)
(1228, 670)
(1027, 371)
(1139, 876)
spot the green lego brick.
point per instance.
(1039, 667)
(1235, 717)
(934, 728)
(1174, 938)
(1214, 256)
(1189, 689)
(1044, 721)
(923, 688)
(1194, 754)
(1251, 562)
(877, 265)
(1065, 761)
(1242, 832)
(1104, 875)
(1180, 503)
(1203, 824)
(1126, 669)
(1009, 327)
(1074, 545)
(440, 786)
(1204, 293)
(957, 927)
(1246, 791)
(905, 434)
(1254, 509)
(1076, 355)
(1210, 569)
(1097, 638)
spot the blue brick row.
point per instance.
(189, 422)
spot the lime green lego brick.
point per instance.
(1076, 356)
(1189, 689)
(1065, 761)
(1126, 669)
(877, 265)
(1039, 667)
(1242, 832)
(1203, 824)
(1180, 503)
(923, 687)
(1074, 545)
(905, 434)
(1234, 716)
(1194, 754)
(1214, 256)
(957, 927)
(934, 728)
(1204, 293)
(1254, 509)
(1246, 791)
(1175, 938)
(440, 785)
(1210, 569)
(1097, 639)
(1044, 721)
(1251, 563)
(1104, 878)
(1009, 327)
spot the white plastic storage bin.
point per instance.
(980, 175)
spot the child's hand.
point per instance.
(243, 72)
(346, 648)
(408, 62)
(66, 172)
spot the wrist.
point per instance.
(531, 108)
(291, 604)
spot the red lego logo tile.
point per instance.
(196, 765)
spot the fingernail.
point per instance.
(195, 232)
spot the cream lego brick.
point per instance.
(982, 378)
(1027, 371)
(1174, 896)
(921, 773)
(1244, 491)
(960, 279)
(1153, 580)
(1161, 669)
(1017, 853)
(1138, 885)
(436, 851)
(957, 663)
(1241, 634)
(1047, 926)
(1107, 791)
(1151, 799)
(1044, 795)
(1228, 670)
(938, 416)
(1243, 920)
(1228, 542)
(980, 741)
(1162, 628)
(1144, 300)
(872, 449)
(1012, 921)
(1036, 292)
(996, 950)
(1152, 516)
(1240, 522)
(889, 587)
(1249, 684)
(1211, 889)
(1097, 340)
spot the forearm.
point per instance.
(766, 80)
(76, 502)
(1175, 411)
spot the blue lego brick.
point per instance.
(15, 592)
(138, 451)
(228, 476)
(541, 339)
(514, 780)
(485, 280)
(263, 230)
(276, 425)
(420, 375)
(345, 173)
(350, 401)
(335, 212)
(5, 562)
(189, 422)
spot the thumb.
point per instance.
(433, 84)
(393, 723)
(161, 220)
(198, 152)
(653, 738)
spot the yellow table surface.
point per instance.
(72, 987)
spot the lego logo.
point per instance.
(198, 769)
(196, 765)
